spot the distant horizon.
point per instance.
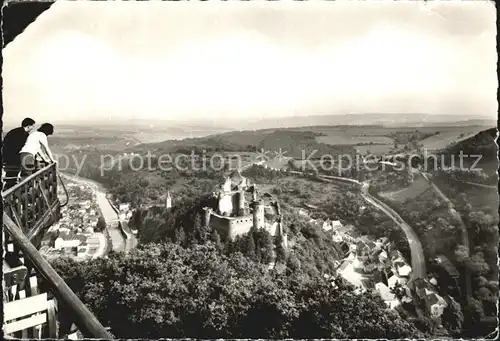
(207, 122)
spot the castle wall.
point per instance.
(273, 228)
(221, 224)
(240, 226)
(232, 217)
(230, 227)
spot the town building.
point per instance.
(74, 232)
(331, 225)
(124, 207)
(66, 240)
(425, 292)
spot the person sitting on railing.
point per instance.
(13, 141)
(36, 148)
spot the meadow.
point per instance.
(298, 192)
(447, 136)
(480, 198)
(419, 186)
(378, 140)
(375, 149)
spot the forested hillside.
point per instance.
(164, 290)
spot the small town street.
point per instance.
(118, 241)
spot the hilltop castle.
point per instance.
(240, 207)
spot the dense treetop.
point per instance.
(164, 290)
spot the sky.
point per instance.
(250, 60)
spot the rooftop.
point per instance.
(385, 292)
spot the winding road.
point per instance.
(417, 252)
(463, 228)
(111, 218)
(479, 185)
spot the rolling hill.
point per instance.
(293, 143)
(483, 143)
(380, 119)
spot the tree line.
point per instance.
(165, 290)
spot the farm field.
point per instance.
(375, 149)
(300, 191)
(333, 135)
(363, 131)
(345, 138)
(351, 136)
(419, 186)
(154, 137)
(480, 198)
(380, 135)
(246, 137)
(444, 138)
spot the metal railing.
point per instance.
(33, 203)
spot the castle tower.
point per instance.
(219, 208)
(254, 193)
(241, 203)
(208, 213)
(227, 185)
(168, 201)
(258, 214)
(278, 208)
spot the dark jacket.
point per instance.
(12, 144)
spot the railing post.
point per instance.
(85, 320)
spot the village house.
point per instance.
(387, 296)
(65, 240)
(124, 207)
(88, 231)
(383, 287)
(399, 264)
(376, 265)
(331, 225)
(424, 290)
(81, 251)
(75, 229)
(350, 270)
